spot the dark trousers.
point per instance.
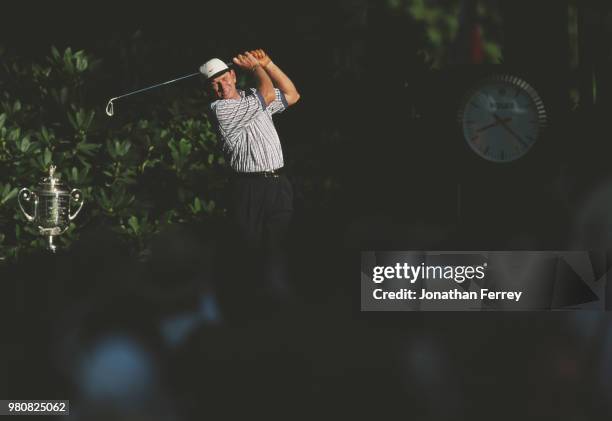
(260, 210)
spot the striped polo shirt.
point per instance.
(246, 131)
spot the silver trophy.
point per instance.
(51, 202)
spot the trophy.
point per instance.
(51, 202)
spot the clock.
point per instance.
(502, 117)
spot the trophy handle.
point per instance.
(77, 196)
(28, 196)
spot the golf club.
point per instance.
(109, 106)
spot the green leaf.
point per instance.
(55, 53)
(103, 199)
(2, 119)
(185, 147)
(45, 134)
(16, 106)
(81, 63)
(14, 134)
(87, 148)
(9, 196)
(25, 144)
(124, 147)
(47, 157)
(133, 223)
(84, 172)
(89, 119)
(68, 60)
(72, 121)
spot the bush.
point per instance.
(137, 175)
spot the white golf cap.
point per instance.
(213, 67)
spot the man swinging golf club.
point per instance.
(261, 196)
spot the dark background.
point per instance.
(378, 120)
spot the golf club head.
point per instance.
(109, 108)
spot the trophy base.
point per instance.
(50, 231)
(50, 246)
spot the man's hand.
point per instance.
(246, 61)
(280, 80)
(261, 57)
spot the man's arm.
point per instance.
(279, 78)
(265, 87)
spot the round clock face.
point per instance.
(501, 118)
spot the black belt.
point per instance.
(266, 174)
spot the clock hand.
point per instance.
(505, 126)
(497, 123)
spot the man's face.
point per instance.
(224, 86)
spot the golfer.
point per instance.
(261, 196)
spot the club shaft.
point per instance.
(155, 86)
